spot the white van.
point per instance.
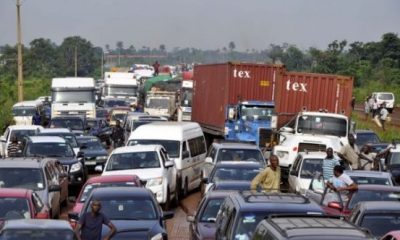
(384, 97)
(185, 145)
(24, 111)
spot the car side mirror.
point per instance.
(3, 139)
(185, 154)
(335, 205)
(54, 188)
(204, 180)
(209, 160)
(98, 168)
(293, 172)
(42, 215)
(169, 164)
(73, 216)
(80, 154)
(167, 215)
(190, 218)
(72, 199)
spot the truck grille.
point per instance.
(311, 147)
(265, 136)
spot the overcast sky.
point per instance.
(206, 24)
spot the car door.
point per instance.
(169, 172)
(54, 196)
(294, 174)
(4, 140)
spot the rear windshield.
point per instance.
(385, 96)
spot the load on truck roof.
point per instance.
(72, 82)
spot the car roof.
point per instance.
(14, 192)
(315, 225)
(271, 201)
(113, 178)
(379, 206)
(364, 173)
(24, 162)
(120, 192)
(47, 139)
(55, 130)
(238, 164)
(218, 194)
(37, 224)
(235, 145)
(137, 148)
(323, 114)
(25, 127)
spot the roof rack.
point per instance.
(274, 197)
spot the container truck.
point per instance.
(121, 85)
(73, 96)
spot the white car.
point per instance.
(151, 164)
(304, 169)
(20, 131)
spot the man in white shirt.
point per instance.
(341, 181)
(383, 115)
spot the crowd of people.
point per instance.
(378, 113)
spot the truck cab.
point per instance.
(121, 85)
(251, 121)
(160, 103)
(310, 131)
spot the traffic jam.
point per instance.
(272, 154)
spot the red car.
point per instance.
(21, 203)
(104, 181)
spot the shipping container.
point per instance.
(217, 85)
(312, 92)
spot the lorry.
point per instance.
(250, 102)
(73, 96)
(160, 103)
(121, 85)
(185, 106)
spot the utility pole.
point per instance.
(76, 61)
(102, 64)
(20, 81)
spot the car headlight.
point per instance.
(101, 158)
(281, 154)
(159, 236)
(76, 167)
(154, 182)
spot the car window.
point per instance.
(49, 149)
(133, 160)
(233, 173)
(29, 178)
(210, 210)
(368, 195)
(310, 167)
(382, 223)
(14, 208)
(90, 187)
(370, 180)
(37, 202)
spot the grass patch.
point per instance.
(391, 132)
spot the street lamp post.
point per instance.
(20, 82)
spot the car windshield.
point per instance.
(115, 103)
(322, 125)
(24, 111)
(29, 178)
(394, 158)
(49, 149)
(73, 124)
(364, 138)
(370, 180)
(157, 103)
(172, 147)
(247, 224)
(385, 96)
(133, 160)
(310, 167)
(240, 155)
(369, 195)
(118, 116)
(14, 208)
(90, 187)
(74, 96)
(235, 173)
(121, 91)
(20, 134)
(127, 208)
(249, 112)
(187, 96)
(37, 234)
(210, 211)
(91, 144)
(381, 223)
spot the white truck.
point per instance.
(312, 132)
(160, 103)
(73, 96)
(121, 85)
(185, 108)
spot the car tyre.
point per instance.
(168, 202)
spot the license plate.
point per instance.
(90, 163)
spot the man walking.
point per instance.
(90, 224)
(383, 115)
(118, 135)
(270, 178)
(350, 153)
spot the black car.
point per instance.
(93, 151)
(58, 148)
(75, 123)
(308, 227)
(100, 128)
(364, 137)
(134, 212)
(231, 185)
(242, 211)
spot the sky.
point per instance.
(204, 24)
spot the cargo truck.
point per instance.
(121, 85)
(248, 102)
(160, 103)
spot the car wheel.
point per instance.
(178, 190)
(186, 188)
(168, 202)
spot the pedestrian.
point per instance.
(156, 67)
(36, 119)
(14, 148)
(341, 181)
(117, 134)
(367, 158)
(383, 114)
(366, 108)
(270, 178)
(350, 153)
(353, 102)
(90, 224)
(374, 108)
(370, 103)
(328, 164)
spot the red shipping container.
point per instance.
(217, 85)
(312, 92)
